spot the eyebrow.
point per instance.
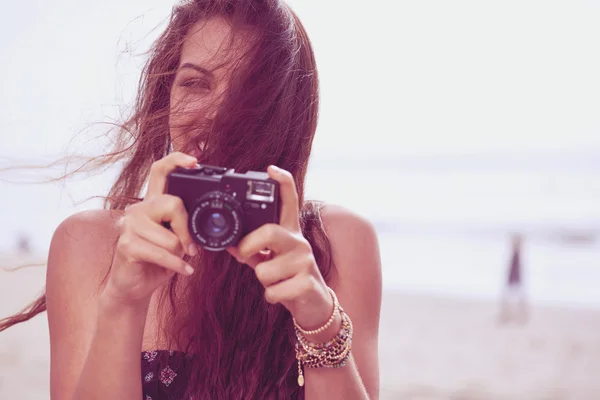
(196, 68)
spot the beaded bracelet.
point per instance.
(336, 306)
(326, 354)
(333, 354)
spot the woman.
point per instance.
(137, 310)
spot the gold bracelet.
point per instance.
(326, 354)
(333, 354)
(336, 307)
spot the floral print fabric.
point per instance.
(163, 375)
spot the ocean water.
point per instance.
(446, 230)
(476, 266)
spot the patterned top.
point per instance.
(164, 374)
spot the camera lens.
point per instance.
(215, 225)
(216, 221)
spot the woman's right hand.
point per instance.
(148, 254)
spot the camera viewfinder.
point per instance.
(261, 191)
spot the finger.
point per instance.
(137, 249)
(254, 260)
(169, 208)
(161, 168)
(159, 236)
(269, 236)
(278, 269)
(290, 289)
(235, 252)
(289, 198)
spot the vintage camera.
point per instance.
(222, 205)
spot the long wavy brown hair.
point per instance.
(243, 346)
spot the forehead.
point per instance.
(213, 43)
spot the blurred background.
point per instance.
(452, 126)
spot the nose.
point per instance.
(211, 113)
(216, 99)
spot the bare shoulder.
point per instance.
(354, 246)
(82, 245)
(88, 223)
(343, 221)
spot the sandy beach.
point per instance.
(438, 348)
(430, 349)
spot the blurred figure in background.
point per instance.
(23, 244)
(513, 307)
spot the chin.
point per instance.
(196, 151)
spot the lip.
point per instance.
(197, 151)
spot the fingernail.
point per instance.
(275, 169)
(192, 251)
(189, 269)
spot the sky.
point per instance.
(426, 80)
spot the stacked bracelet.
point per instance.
(336, 307)
(333, 354)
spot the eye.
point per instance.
(195, 84)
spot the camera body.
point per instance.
(223, 206)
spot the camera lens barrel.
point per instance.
(215, 221)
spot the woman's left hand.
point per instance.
(288, 271)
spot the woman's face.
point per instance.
(202, 78)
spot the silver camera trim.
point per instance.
(259, 197)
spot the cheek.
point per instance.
(186, 109)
